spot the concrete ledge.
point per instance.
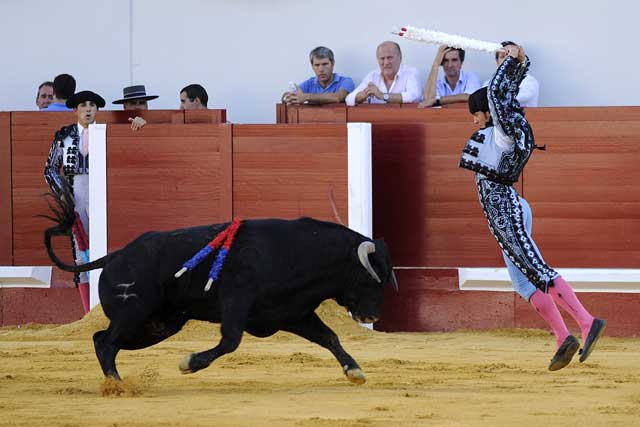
(25, 277)
(581, 279)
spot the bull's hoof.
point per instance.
(356, 376)
(184, 365)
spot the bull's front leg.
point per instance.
(233, 319)
(315, 330)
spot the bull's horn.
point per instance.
(394, 281)
(364, 250)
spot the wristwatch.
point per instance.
(385, 96)
(437, 103)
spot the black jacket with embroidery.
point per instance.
(504, 162)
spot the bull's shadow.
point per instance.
(276, 273)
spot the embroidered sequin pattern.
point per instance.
(502, 209)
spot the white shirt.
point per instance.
(529, 91)
(407, 83)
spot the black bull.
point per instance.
(275, 276)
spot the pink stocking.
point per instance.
(546, 308)
(564, 296)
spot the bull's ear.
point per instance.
(383, 251)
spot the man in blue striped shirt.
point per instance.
(326, 87)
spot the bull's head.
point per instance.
(376, 261)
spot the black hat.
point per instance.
(478, 101)
(83, 96)
(133, 93)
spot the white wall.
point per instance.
(244, 52)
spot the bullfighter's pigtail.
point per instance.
(223, 240)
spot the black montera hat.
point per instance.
(134, 93)
(83, 96)
(478, 101)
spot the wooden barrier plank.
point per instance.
(151, 116)
(212, 116)
(58, 119)
(580, 114)
(281, 113)
(585, 201)
(30, 148)
(292, 115)
(424, 205)
(226, 173)
(394, 114)
(167, 177)
(6, 204)
(289, 171)
(53, 119)
(327, 113)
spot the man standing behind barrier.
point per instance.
(64, 85)
(393, 83)
(455, 85)
(135, 98)
(193, 97)
(44, 97)
(69, 160)
(326, 87)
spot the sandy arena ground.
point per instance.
(49, 376)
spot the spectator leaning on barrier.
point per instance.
(135, 98)
(326, 87)
(529, 87)
(69, 160)
(455, 85)
(64, 85)
(44, 97)
(393, 83)
(193, 97)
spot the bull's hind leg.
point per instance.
(127, 330)
(106, 353)
(315, 330)
(233, 319)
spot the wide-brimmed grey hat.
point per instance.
(134, 93)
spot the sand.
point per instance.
(49, 376)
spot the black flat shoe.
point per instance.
(565, 353)
(597, 328)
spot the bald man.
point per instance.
(393, 83)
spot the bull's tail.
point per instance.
(64, 216)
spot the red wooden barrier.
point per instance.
(586, 209)
(166, 177)
(6, 205)
(289, 171)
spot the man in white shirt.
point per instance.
(529, 87)
(393, 84)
